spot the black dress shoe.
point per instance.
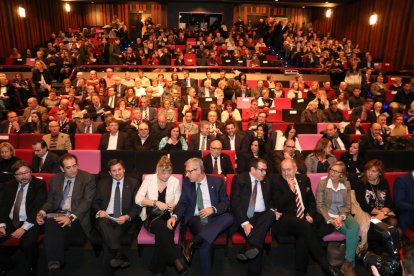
(119, 261)
(248, 253)
(187, 250)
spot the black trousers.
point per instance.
(28, 244)
(306, 241)
(261, 224)
(57, 237)
(165, 251)
(112, 232)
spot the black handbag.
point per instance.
(336, 253)
(153, 214)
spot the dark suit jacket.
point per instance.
(194, 141)
(81, 127)
(69, 127)
(366, 142)
(123, 143)
(225, 140)
(35, 198)
(122, 92)
(105, 103)
(187, 203)
(241, 190)
(193, 83)
(357, 112)
(341, 136)
(225, 164)
(4, 127)
(83, 193)
(285, 199)
(278, 157)
(152, 115)
(151, 143)
(51, 164)
(103, 196)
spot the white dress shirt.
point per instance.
(113, 141)
(22, 212)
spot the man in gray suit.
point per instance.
(87, 126)
(70, 194)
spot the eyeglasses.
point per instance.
(261, 170)
(291, 147)
(335, 171)
(22, 173)
(215, 148)
(190, 171)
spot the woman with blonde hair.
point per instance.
(122, 114)
(333, 202)
(398, 129)
(8, 158)
(158, 195)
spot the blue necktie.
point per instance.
(66, 191)
(117, 201)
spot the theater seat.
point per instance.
(25, 154)
(282, 103)
(87, 141)
(25, 140)
(322, 127)
(314, 179)
(308, 141)
(334, 236)
(274, 115)
(44, 176)
(89, 160)
(338, 153)
(390, 177)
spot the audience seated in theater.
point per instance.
(385, 129)
(97, 110)
(36, 125)
(294, 92)
(114, 139)
(250, 115)
(77, 112)
(321, 100)
(33, 106)
(173, 141)
(13, 124)
(353, 159)
(143, 140)
(354, 127)
(404, 199)
(187, 81)
(122, 114)
(289, 152)
(334, 114)
(41, 79)
(189, 94)
(312, 91)
(43, 160)
(378, 90)
(119, 87)
(167, 110)
(321, 157)
(262, 134)
(217, 162)
(87, 125)
(109, 77)
(147, 112)
(206, 90)
(265, 101)
(398, 129)
(231, 89)
(188, 127)
(161, 128)
(330, 92)
(404, 96)
(257, 91)
(343, 102)
(111, 100)
(139, 89)
(64, 105)
(373, 140)
(57, 140)
(261, 120)
(230, 113)
(256, 149)
(356, 99)
(377, 110)
(338, 140)
(202, 139)
(8, 158)
(342, 88)
(289, 134)
(51, 100)
(333, 202)
(312, 114)
(364, 111)
(216, 127)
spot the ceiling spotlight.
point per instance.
(328, 13)
(303, 7)
(67, 7)
(21, 11)
(373, 19)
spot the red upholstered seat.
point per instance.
(25, 154)
(89, 160)
(87, 141)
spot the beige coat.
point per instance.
(63, 141)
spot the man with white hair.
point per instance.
(33, 107)
(119, 87)
(75, 82)
(128, 81)
(64, 105)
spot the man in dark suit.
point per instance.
(21, 199)
(111, 101)
(338, 140)
(289, 151)
(161, 128)
(114, 139)
(188, 82)
(97, 110)
(144, 140)
(372, 140)
(217, 162)
(115, 55)
(295, 201)
(232, 140)
(251, 206)
(115, 211)
(12, 125)
(70, 192)
(203, 206)
(119, 88)
(213, 82)
(201, 140)
(43, 160)
(148, 113)
(364, 112)
(65, 125)
(216, 127)
(206, 90)
(87, 125)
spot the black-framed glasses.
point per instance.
(261, 170)
(190, 171)
(22, 173)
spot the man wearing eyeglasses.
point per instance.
(21, 199)
(252, 209)
(203, 207)
(217, 162)
(289, 152)
(294, 199)
(66, 213)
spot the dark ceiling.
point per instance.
(306, 3)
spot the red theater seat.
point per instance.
(25, 154)
(87, 141)
(25, 141)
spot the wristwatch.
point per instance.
(72, 218)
